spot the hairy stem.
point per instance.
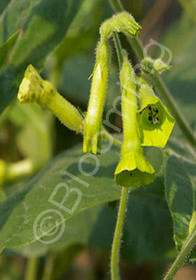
(188, 246)
(117, 235)
(118, 48)
(159, 83)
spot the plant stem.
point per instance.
(31, 269)
(159, 83)
(118, 48)
(189, 244)
(117, 235)
(116, 6)
(107, 136)
(49, 265)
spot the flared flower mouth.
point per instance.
(134, 170)
(31, 86)
(155, 122)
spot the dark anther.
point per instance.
(150, 118)
(149, 107)
(156, 110)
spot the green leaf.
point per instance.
(147, 211)
(43, 24)
(6, 48)
(145, 236)
(180, 182)
(62, 176)
(3, 5)
(147, 233)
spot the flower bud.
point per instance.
(92, 124)
(122, 22)
(34, 89)
(133, 169)
(155, 122)
(150, 65)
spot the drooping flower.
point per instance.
(155, 122)
(133, 169)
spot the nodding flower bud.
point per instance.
(93, 119)
(155, 122)
(34, 89)
(133, 169)
(150, 65)
(122, 22)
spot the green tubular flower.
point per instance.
(155, 122)
(133, 169)
(34, 89)
(92, 124)
(122, 22)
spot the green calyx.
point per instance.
(93, 119)
(31, 86)
(122, 22)
(34, 89)
(155, 122)
(133, 169)
(150, 65)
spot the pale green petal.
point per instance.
(134, 170)
(155, 122)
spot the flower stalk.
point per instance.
(117, 235)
